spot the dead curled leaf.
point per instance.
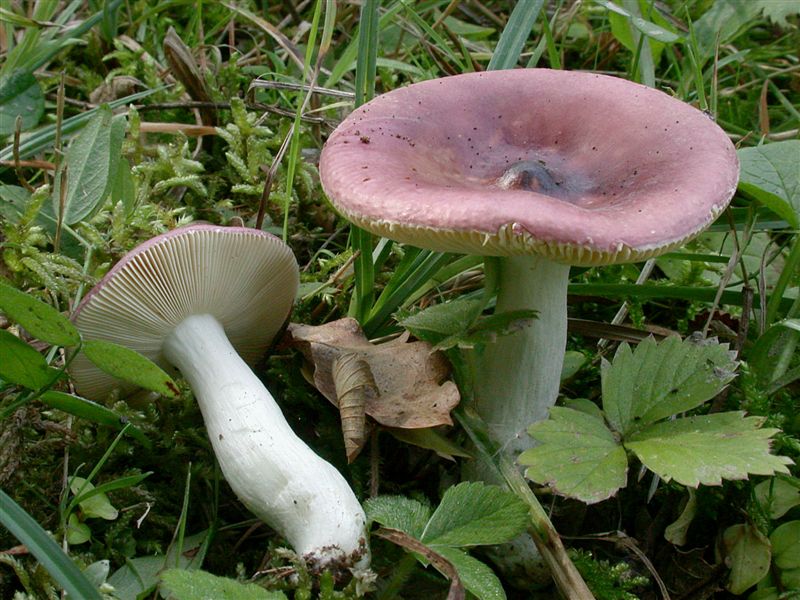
(412, 391)
(354, 384)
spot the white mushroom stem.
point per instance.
(272, 471)
(518, 376)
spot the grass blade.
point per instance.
(349, 58)
(366, 61)
(23, 527)
(403, 283)
(515, 34)
(364, 294)
(310, 74)
(366, 65)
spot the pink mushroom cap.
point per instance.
(584, 169)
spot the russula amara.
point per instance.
(543, 168)
(208, 300)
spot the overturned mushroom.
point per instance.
(543, 168)
(209, 300)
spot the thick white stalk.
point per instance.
(518, 376)
(272, 471)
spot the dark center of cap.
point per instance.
(530, 176)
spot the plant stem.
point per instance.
(518, 376)
(567, 578)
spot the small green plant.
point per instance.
(607, 581)
(25, 375)
(469, 515)
(764, 551)
(583, 450)
(190, 585)
(45, 36)
(97, 506)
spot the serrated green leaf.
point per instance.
(478, 578)
(660, 379)
(90, 160)
(707, 449)
(22, 364)
(97, 505)
(473, 514)
(778, 496)
(396, 512)
(577, 456)
(41, 320)
(196, 585)
(778, 10)
(130, 366)
(20, 95)
(773, 168)
(786, 545)
(747, 553)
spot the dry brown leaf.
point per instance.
(118, 87)
(411, 379)
(354, 383)
(186, 70)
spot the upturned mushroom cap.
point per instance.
(243, 277)
(582, 168)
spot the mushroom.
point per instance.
(543, 168)
(209, 300)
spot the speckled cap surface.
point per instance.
(585, 169)
(245, 278)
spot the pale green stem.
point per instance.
(518, 377)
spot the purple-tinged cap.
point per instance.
(582, 168)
